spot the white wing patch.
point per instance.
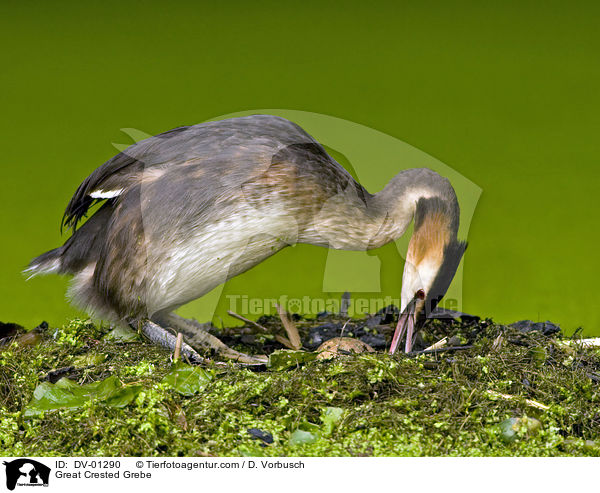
(101, 194)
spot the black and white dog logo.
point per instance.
(26, 472)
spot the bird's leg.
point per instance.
(164, 338)
(197, 335)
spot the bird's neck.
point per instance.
(414, 193)
(352, 222)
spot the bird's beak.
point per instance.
(406, 325)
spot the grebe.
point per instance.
(188, 209)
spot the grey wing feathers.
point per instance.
(116, 173)
(241, 141)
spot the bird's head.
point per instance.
(433, 256)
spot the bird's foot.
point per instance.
(196, 334)
(164, 338)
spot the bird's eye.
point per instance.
(420, 294)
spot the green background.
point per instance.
(506, 95)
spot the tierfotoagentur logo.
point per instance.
(373, 158)
(26, 472)
(245, 305)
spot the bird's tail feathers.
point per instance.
(46, 263)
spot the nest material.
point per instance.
(458, 402)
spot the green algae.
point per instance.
(372, 404)
(66, 394)
(186, 379)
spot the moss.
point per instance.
(449, 403)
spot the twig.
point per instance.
(516, 342)
(178, 344)
(248, 321)
(290, 328)
(345, 304)
(529, 402)
(343, 328)
(284, 340)
(497, 342)
(438, 345)
(440, 350)
(594, 342)
(593, 377)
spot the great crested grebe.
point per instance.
(192, 207)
